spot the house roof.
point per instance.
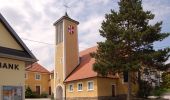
(25, 55)
(35, 67)
(85, 69)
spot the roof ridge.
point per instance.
(36, 67)
(73, 69)
(17, 38)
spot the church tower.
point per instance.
(66, 52)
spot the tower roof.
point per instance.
(67, 18)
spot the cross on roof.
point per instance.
(66, 7)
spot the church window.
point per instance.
(80, 87)
(90, 85)
(70, 87)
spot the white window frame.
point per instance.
(69, 87)
(78, 86)
(88, 86)
(36, 75)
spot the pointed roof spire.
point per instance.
(66, 17)
(66, 14)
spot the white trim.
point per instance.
(115, 88)
(36, 77)
(64, 58)
(78, 45)
(64, 51)
(61, 60)
(78, 86)
(88, 86)
(69, 87)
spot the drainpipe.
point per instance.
(65, 90)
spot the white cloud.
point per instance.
(33, 19)
(89, 31)
(160, 8)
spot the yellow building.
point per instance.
(52, 83)
(74, 78)
(14, 55)
(38, 79)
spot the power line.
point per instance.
(37, 41)
(157, 47)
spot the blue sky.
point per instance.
(33, 20)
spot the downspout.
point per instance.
(65, 90)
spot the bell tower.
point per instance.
(66, 52)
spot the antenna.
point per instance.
(66, 6)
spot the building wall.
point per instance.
(85, 92)
(43, 82)
(122, 87)
(71, 47)
(66, 56)
(52, 83)
(6, 40)
(104, 86)
(11, 77)
(102, 89)
(59, 70)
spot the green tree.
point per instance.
(28, 93)
(166, 80)
(129, 41)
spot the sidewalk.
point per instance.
(166, 96)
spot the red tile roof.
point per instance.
(85, 69)
(35, 67)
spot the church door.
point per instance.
(59, 93)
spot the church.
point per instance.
(74, 78)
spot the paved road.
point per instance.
(39, 99)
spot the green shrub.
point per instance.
(28, 93)
(52, 96)
(158, 91)
(166, 80)
(144, 89)
(44, 95)
(35, 95)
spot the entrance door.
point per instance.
(38, 90)
(113, 91)
(49, 90)
(59, 93)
